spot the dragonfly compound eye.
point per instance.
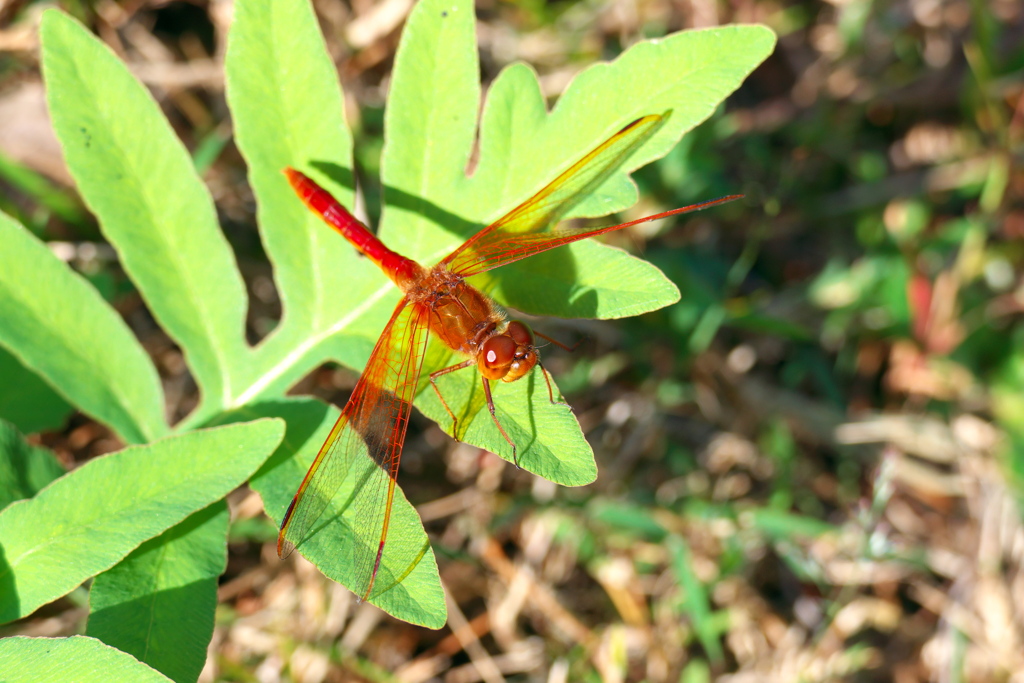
(520, 332)
(496, 356)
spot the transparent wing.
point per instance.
(362, 453)
(532, 227)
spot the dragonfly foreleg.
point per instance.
(494, 416)
(433, 383)
(551, 393)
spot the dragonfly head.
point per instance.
(510, 355)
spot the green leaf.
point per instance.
(24, 469)
(26, 401)
(598, 281)
(138, 179)
(695, 598)
(78, 658)
(287, 111)
(416, 596)
(287, 107)
(158, 603)
(88, 520)
(57, 325)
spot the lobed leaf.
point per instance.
(431, 202)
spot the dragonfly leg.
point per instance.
(551, 393)
(547, 378)
(494, 416)
(433, 383)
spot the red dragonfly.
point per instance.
(438, 300)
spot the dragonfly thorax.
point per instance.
(458, 315)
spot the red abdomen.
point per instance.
(402, 271)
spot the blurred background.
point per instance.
(810, 467)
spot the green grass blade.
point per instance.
(58, 326)
(418, 598)
(630, 517)
(90, 519)
(158, 603)
(24, 469)
(696, 602)
(781, 525)
(138, 179)
(78, 658)
(43, 190)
